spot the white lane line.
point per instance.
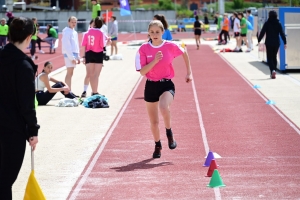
(203, 132)
(264, 98)
(106, 138)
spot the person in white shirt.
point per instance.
(70, 48)
(236, 30)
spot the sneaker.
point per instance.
(171, 142)
(156, 153)
(83, 94)
(273, 76)
(248, 50)
(32, 57)
(240, 50)
(41, 51)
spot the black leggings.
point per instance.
(12, 151)
(32, 48)
(38, 41)
(44, 97)
(272, 57)
(226, 35)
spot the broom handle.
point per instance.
(32, 159)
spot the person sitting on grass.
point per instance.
(42, 81)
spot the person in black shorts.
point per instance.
(197, 31)
(93, 42)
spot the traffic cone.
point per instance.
(216, 180)
(209, 157)
(212, 167)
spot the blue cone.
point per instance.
(270, 102)
(256, 86)
(210, 156)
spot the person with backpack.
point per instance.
(18, 121)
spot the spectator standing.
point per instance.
(18, 121)
(236, 30)
(96, 9)
(4, 28)
(250, 18)
(34, 40)
(272, 28)
(244, 30)
(167, 33)
(113, 33)
(225, 30)
(249, 35)
(70, 49)
(10, 17)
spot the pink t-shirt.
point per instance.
(164, 68)
(94, 40)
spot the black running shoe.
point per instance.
(172, 143)
(83, 95)
(156, 153)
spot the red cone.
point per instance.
(212, 167)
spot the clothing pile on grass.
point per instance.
(96, 101)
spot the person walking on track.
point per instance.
(154, 61)
(93, 42)
(18, 121)
(197, 31)
(70, 49)
(272, 28)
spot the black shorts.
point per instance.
(236, 34)
(94, 57)
(243, 35)
(153, 90)
(197, 31)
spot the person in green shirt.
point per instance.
(52, 35)
(33, 40)
(96, 11)
(3, 32)
(244, 30)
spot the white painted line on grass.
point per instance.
(264, 98)
(204, 138)
(104, 142)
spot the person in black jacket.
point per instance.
(272, 28)
(18, 121)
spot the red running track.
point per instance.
(58, 60)
(260, 150)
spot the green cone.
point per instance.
(216, 180)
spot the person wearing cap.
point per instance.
(96, 11)
(3, 32)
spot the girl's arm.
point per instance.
(56, 81)
(186, 58)
(45, 79)
(145, 69)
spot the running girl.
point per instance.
(154, 60)
(93, 43)
(42, 81)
